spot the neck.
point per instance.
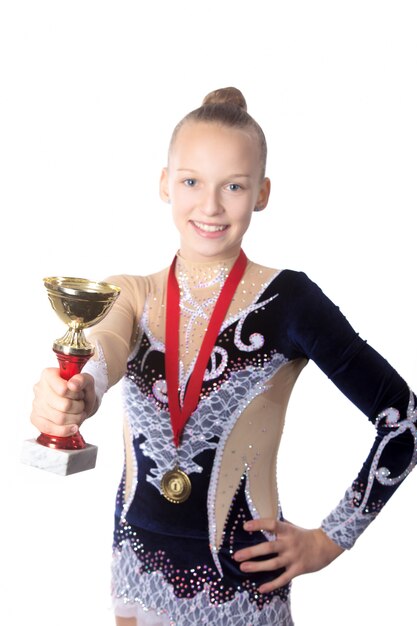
(203, 274)
(188, 257)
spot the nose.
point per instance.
(211, 204)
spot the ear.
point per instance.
(163, 185)
(263, 196)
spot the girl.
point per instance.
(209, 351)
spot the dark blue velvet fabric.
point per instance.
(317, 329)
(299, 322)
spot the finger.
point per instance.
(260, 549)
(50, 428)
(266, 565)
(74, 395)
(78, 383)
(45, 414)
(58, 409)
(278, 582)
(51, 381)
(262, 524)
(284, 527)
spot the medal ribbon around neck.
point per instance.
(179, 416)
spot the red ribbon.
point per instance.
(179, 416)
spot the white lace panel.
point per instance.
(158, 600)
(349, 519)
(97, 368)
(246, 412)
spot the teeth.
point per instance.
(209, 228)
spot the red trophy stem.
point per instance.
(69, 365)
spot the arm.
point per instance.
(59, 406)
(114, 337)
(318, 330)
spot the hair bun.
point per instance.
(227, 95)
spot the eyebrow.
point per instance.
(189, 169)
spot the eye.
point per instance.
(234, 187)
(190, 182)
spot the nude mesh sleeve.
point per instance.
(115, 335)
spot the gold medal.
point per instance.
(176, 486)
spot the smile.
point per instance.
(210, 228)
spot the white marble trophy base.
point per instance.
(63, 462)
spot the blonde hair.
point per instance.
(226, 106)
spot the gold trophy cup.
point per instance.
(79, 303)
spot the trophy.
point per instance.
(79, 303)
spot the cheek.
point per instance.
(180, 199)
(245, 218)
(179, 212)
(176, 218)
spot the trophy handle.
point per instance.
(69, 365)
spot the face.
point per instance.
(213, 183)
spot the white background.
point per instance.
(90, 92)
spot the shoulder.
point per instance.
(304, 297)
(298, 283)
(135, 290)
(137, 284)
(288, 282)
(297, 297)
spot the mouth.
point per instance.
(210, 228)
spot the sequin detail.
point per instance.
(203, 602)
(357, 509)
(215, 416)
(192, 308)
(154, 343)
(391, 419)
(256, 340)
(141, 556)
(252, 508)
(232, 399)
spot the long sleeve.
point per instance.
(115, 335)
(319, 331)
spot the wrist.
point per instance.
(327, 546)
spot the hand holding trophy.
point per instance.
(79, 303)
